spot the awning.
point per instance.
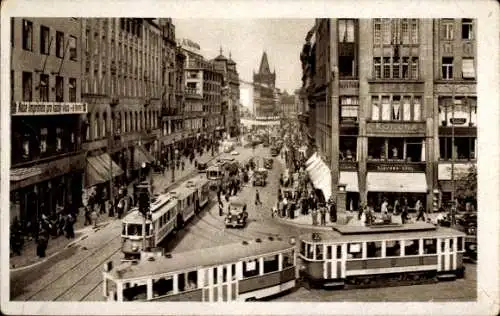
(97, 170)
(19, 174)
(319, 173)
(396, 182)
(350, 179)
(141, 155)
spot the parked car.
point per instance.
(236, 214)
(268, 163)
(259, 178)
(274, 151)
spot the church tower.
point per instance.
(264, 83)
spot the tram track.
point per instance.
(50, 285)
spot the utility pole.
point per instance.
(453, 204)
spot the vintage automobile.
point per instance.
(236, 214)
(268, 163)
(274, 151)
(203, 165)
(259, 178)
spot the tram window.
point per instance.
(233, 271)
(354, 251)
(224, 274)
(329, 252)
(460, 244)
(430, 246)
(134, 230)
(163, 286)
(135, 293)
(339, 251)
(192, 280)
(287, 259)
(124, 229)
(271, 264)
(303, 248)
(411, 247)
(181, 282)
(250, 268)
(451, 244)
(319, 252)
(111, 289)
(374, 249)
(310, 251)
(392, 248)
(214, 272)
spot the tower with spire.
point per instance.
(264, 83)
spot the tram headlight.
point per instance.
(292, 241)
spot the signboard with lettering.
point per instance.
(460, 170)
(395, 167)
(348, 165)
(395, 128)
(48, 108)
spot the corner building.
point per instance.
(383, 97)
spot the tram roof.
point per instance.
(199, 258)
(384, 234)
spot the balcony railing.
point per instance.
(348, 84)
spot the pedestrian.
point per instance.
(102, 201)
(397, 207)
(182, 165)
(120, 208)
(219, 193)
(43, 239)
(420, 210)
(314, 215)
(404, 213)
(257, 198)
(322, 211)
(384, 205)
(69, 229)
(221, 208)
(94, 215)
(333, 211)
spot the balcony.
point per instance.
(352, 84)
(48, 108)
(192, 92)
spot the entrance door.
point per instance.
(445, 254)
(334, 265)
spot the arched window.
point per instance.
(125, 127)
(104, 124)
(87, 127)
(136, 120)
(118, 128)
(130, 126)
(96, 126)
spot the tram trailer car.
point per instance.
(352, 256)
(244, 271)
(158, 226)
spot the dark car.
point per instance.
(268, 163)
(236, 214)
(274, 151)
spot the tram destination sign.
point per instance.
(48, 108)
(395, 167)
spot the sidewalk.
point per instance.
(28, 255)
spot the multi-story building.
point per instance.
(264, 92)
(47, 159)
(288, 106)
(230, 92)
(386, 95)
(128, 81)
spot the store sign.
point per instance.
(395, 167)
(49, 108)
(348, 165)
(460, 170)
(395, 128)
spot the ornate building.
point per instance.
(47, 158)
(264, 92)
(387, 99)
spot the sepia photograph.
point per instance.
(156, 164)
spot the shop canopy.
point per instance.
(350, 179)
(141, 155)
(396, 182)
(319, 173)
(97, 170)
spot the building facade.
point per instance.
(264, 93)
(288, 106)
(47, 157)
(387, 99)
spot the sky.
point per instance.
(247, 39)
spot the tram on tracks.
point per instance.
(381, 255)
(168, 212)
(245, 271)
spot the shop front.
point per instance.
(463, 183)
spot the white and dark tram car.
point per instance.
(353, 256)
(245, 271)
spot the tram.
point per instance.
(246, 271)
(215, 173)
(351, 256)
(158, 226)
(189, 194)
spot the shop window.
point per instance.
(347, 148)
(395, 148)
(163, 286)
(411, 247)
(27, 35)
(354, 251)
(27, 86)
(250, 268)
(392, 248)
(374, 249)
(430, 246)
(376, 148)
(467, 30)
(59, 139)
(134, 293)
(26, 146)
(44, 88)
(59, 89)
(43, 140)
(447, 68)
(271, 264)
(72, 90)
